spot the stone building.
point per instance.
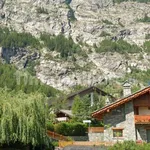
(127, 118)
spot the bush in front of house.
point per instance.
(130, 145)
(70, 129)
(50, 126)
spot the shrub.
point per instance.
(103, 33)
(146, 46)
(129, 145)
(59, 43)
(147, 36)
(50, 126)
(12, 39)
(70, 129)
(119, 46)
(42, 10)
(141, 1)
(145, 19)
(107, 22)
(9, 77)
(62, 128)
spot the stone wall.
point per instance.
(95, 137)
(124, 119)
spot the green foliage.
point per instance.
(147, 36)
(23, 118)
(140, 76)
(107, 22)
(140, 1)
(119, 46)
(129, 145)
(146, 46)
(82, 108)
(15, 80)
(12, 39)
(145, 19)
(50, 126)
(71, 129)
(30, 67)
(42, 10)
(112, 87)
(104, 34)
(59, 43)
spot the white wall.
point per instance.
(144, 111)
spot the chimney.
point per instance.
(126, 89)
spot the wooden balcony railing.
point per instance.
(95, 129)
(142, 119)
(56, 136)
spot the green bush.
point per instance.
(119, 46)
(50, 126)
(147, 36)
(146, 46)
(129, 145)
(59, 43)
(42, 10)
(70, 129)
(15, 80)
(104, 33)
(145, 19)
(107, 22)
(141, 1)
(12, 39)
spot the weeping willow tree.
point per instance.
(22, 118)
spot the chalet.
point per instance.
(127, 118)
(89, 91)
(63, 115)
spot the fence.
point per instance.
(57, 136)
(85, 143)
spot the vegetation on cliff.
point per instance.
(16, 80)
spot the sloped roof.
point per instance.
(89, 90)
(99, 113)
(67, 112)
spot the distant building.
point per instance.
(63, 115)
(89, 91)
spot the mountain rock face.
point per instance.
(92, 17)
(89, 71)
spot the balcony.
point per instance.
(142, 119)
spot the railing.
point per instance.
(95, 129)
(142, 119)
(56, 136)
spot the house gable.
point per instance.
(138, 96)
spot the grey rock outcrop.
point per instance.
(92, 18)
(18, 56)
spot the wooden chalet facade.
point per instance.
(127, 118)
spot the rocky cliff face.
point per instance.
(92, 18)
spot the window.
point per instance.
(117, 132)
